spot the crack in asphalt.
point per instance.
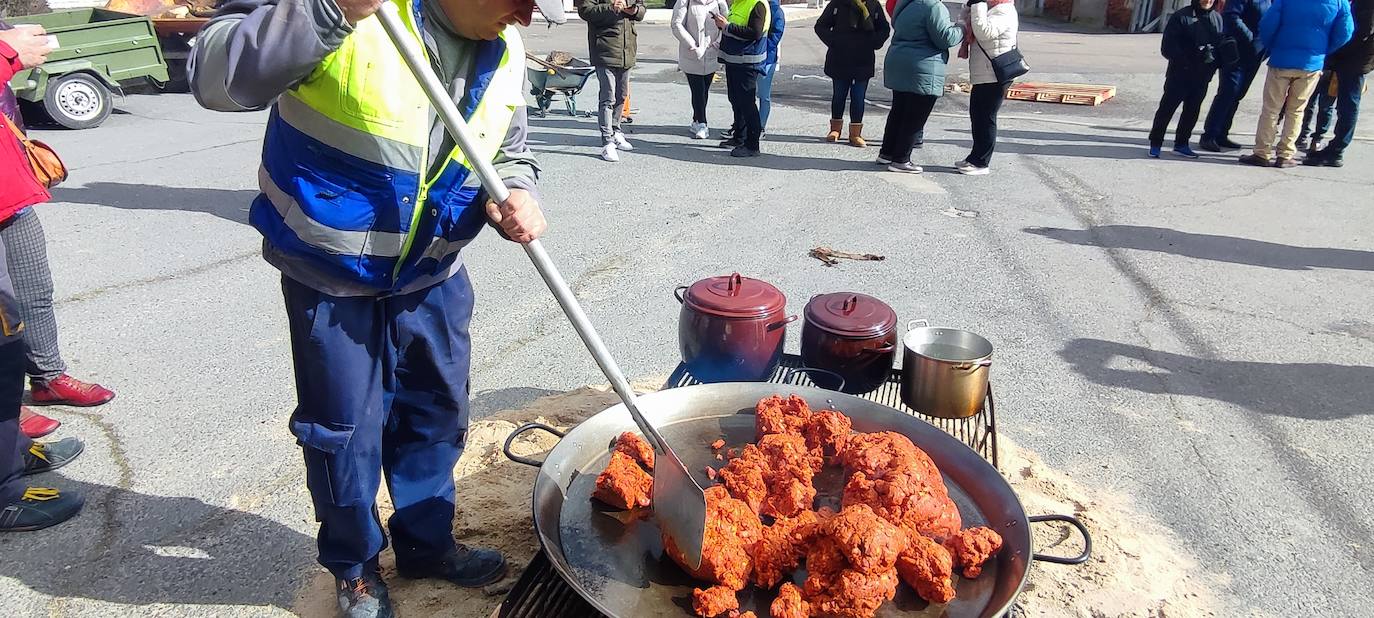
(95, 293)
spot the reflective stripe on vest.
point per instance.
(736, 50)
(345, 177)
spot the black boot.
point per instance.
(1226, 143)
(365, 597)
(49, 456)
(39, 508)
(1210, 145)
(463, 566)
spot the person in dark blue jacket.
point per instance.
(1190, 45)
(1298, 34)
(1338, 93)
(1240, 22)
(770, 66)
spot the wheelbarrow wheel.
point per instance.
(77, 101)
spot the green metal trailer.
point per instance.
(98, 50)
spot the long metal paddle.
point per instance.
(679, 503)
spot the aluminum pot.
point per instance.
(944, 370)
(853, 335)
(732, 328)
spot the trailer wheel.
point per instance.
(77, 101)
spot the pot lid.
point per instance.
(734, 296)
(850, 314)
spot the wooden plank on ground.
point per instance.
(1071, 94)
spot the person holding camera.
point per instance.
(1190, 44)
(613, 46)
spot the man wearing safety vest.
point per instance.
(743, 50)
(366, 206)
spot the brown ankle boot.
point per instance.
(835, 127)
(856, 135)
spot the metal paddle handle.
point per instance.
(496, 189)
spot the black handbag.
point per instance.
(1007, 66)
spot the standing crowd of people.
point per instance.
(1318, 52)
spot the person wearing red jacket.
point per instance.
(23, 506)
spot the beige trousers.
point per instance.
(1286, 92)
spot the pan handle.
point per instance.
(809, 370)
(1073, 521)
(516, 434)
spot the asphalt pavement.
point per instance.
(1194, 335)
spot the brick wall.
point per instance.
(1119, 14)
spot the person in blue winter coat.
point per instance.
(1298, 34)
(1240, 21)
(770, 66)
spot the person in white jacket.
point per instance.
(990, 31)
(698, 38)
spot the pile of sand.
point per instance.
(1137, 568)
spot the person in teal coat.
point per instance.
(922, 34)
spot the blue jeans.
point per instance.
(852, 90)
(766, 94)
(1233, 84)
(1345, 106)
(382, 391)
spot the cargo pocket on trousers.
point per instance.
(330, 472)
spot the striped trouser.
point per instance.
(28, 266)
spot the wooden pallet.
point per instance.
(1071, 94)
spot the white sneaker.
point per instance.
(972, 170)
(881, 160)
(693, 129)
(608, 152)
(620, 142)
(702, 131)
(905, 168)
(962, 165)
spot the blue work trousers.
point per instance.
(1233, 83)
(382, 389)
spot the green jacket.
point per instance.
(611, 38)
(922, 34)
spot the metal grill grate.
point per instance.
(542, 593)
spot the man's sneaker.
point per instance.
(728, 133)
(1186, 152)
(975, 171)
(731, 142)
(702, 132)
(1226, 143)
(1324, 158)
(365, 597)
(742, 151)
(1285, 163)
(463, 566)
(882, 160)
(1255, 160)
(609, 153)
(34, 425)
(39, 508)
(48, 456)
(620, 142)
(1209, 145)
(1154, 152)
(963, 164)
(905, 168)
(65, 390)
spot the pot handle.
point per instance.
(1073, 521)
(911, 324)
(678, 294)
(783, 322)
(534, 463)
(884, 349)
(970, 366)
(791, 372)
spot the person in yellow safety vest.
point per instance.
(743, 50)
(366, 206)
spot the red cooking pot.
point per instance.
(853, 335)
(732, 329)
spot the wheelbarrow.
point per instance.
(548, 80)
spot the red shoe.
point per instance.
(35, 425)
(68, 391)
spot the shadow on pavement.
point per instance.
(157, 549)
(228, 204)
(1312, 391)
(1212, 247)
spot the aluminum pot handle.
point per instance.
(987, 362)
(678, 294)
(534, 463)
(791, 372)
(911, 324)
(1073, 521)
